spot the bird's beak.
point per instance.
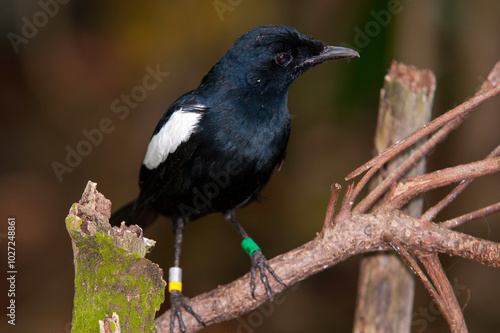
(330, 53)
(337, 52)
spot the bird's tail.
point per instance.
(134, 213)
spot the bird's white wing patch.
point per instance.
(176, 130)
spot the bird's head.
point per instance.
(267, 59)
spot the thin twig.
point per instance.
(461, 110)
(439, 289)
(420, 153)
(471, 216)
(431, 213)
(416, 269)
(330, 210)
(419, 184)
(491, 87)
(451, 312)
(361, 184)
(347, 203)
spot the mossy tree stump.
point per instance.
(116, 288)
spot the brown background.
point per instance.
(64, 79)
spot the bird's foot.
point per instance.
(260, 262)
(177, 302)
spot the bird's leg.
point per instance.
(175, 283)
(259, 262)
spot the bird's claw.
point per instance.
(176, 302)
(260, 262)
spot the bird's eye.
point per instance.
(283, 59)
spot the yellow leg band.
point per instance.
(174, 286)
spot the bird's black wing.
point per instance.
(168, 152)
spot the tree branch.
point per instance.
(446, 299)
(459, 112)
(346, 237)
(424, 183)
(431, 213)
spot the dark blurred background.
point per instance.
(67, 66)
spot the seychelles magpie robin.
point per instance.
(215, 147)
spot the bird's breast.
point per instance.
(258, 138)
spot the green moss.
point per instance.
(110, 279)
(73, 223)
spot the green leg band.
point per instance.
(249, 246)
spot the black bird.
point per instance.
(215, 148)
